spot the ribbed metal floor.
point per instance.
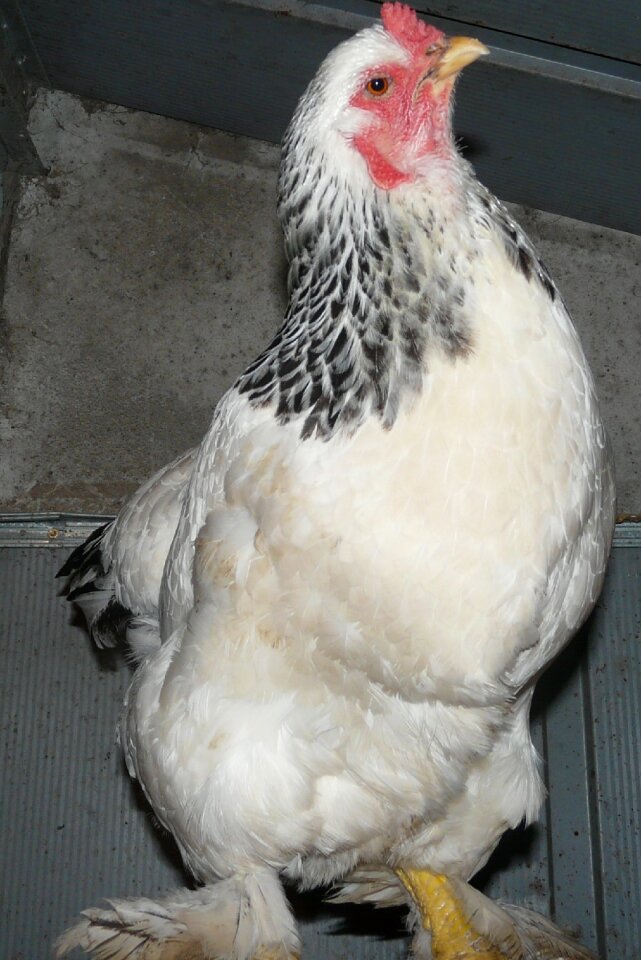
(75, 829)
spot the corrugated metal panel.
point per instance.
(613, 699)
(75, 828)
(575, 887)
(545, 125)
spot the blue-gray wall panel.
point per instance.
(76, 830)
(573, 871)
(608, 27)
(546, 134)
(615, 703)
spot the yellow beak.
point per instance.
(457, 54)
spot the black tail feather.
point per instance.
(85, 556)
(109, 627)
(90, 585)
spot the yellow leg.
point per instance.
(442, 913)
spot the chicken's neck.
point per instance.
(376, 282)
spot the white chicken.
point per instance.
(402, 511)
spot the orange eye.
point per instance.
(378, 86)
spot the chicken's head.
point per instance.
(408, 99)
(385, 94)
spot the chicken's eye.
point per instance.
(378, 86)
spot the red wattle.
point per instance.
(381, 170)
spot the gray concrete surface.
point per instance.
(146, 270)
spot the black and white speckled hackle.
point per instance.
(364, 301)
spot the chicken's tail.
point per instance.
(237, 918)
(488, 927)
(91, 585)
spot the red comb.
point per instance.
(404, 25)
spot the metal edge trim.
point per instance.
(71, 529)
(47, 529)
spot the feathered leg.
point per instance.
(245, 917)
(443, 915)
(464, 924)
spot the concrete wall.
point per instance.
(146, 270)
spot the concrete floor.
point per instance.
(146, 270)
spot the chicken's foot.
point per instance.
(445, 917)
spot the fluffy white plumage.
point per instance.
(339, 626)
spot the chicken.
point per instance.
(401, 512)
